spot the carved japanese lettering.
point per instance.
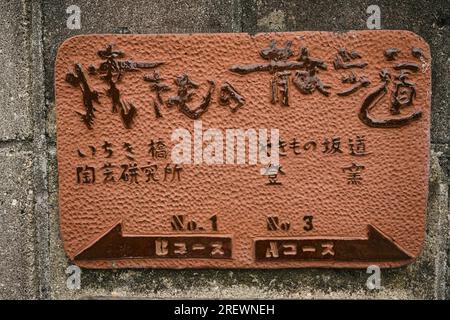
(274, 150)
(184, 96)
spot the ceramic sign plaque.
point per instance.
(275, 150)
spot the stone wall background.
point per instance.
(32, 261)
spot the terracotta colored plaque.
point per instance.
(151, 173)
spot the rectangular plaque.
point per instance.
(278, 150)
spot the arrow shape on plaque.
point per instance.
(377, 246)
(114, 244)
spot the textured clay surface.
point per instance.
(361, 203)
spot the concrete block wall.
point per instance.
(32, 261)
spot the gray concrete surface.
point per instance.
(32, 262)
(17, 269)
(15, 107)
